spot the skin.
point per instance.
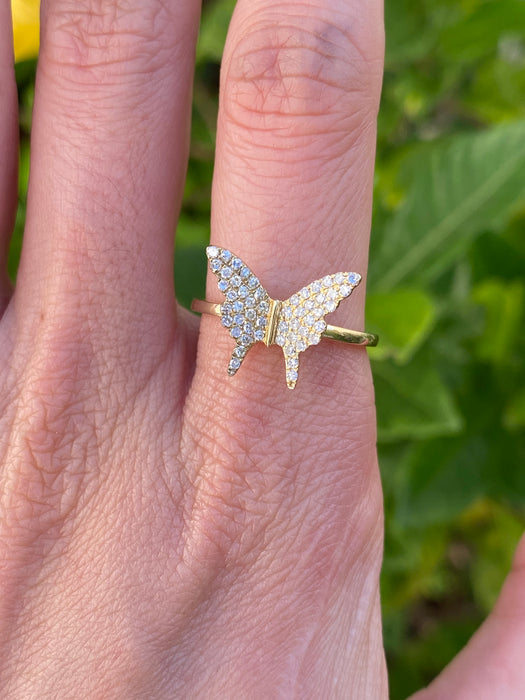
(165, 530)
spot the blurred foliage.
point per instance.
(446, 294)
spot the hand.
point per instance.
(166, 531)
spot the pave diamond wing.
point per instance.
(247, 310)
(301, 319)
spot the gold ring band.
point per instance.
(332, 332)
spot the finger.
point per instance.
(294, 167)
(291, 476)
(8, 145)
(491, 665)
(110, 140)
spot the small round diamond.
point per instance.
(330, 306)
(223, 285)
(226, 273)
(304, 293)
(227, 321)
(231, 295)
(295, 324)
(287, 312)
(301, 345)
(226, 255)
(249, 302)
(226, 309)
(292, 362)
(253, 282)
(248, 327)
(236, 332)
(240, 351)
(238, 319)
(295, 300)
(316, 286)
(261, 322)
(245, 272)
(310, 319)
(243, 291)
(313, 339)
(327, 281)
(339, 278)
(280, 339)
(246, 339)
(215, 265)
(345, 289)
(320, 326)
(234, 365)
(289, 349)
(259, 334)
(320, 298)
(291, 375)
(309, 304)
(250, 314)
(236, 264)
(236, 281)
(259, 293)
(263, 307)
(212, 251)
(354, 278)
(237, 306)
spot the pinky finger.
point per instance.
(8, 145)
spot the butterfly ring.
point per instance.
(251, 316)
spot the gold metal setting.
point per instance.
(252, 316)
(332, 332)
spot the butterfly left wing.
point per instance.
(301, 319)
(245, 311)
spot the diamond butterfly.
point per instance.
(251, 316)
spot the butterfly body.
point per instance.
(252, 316)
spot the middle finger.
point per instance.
(109, 151)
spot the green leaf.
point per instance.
(495, 550)
(402, 319)
(412, 401)
(190, 259)
(493, 256)
(406, 39)
(480, 32)
(504, 80)
(443, 477)
(514, 416)
(15, 246)
(455, 190)
(504, 312)
(214, 28)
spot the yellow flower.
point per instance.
(26, 24)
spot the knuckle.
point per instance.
(101, 37)
(300, 77)
(251, 491)
(54, 442)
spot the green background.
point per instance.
(446, 295)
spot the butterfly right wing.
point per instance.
(301, 320)
(245, 311)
